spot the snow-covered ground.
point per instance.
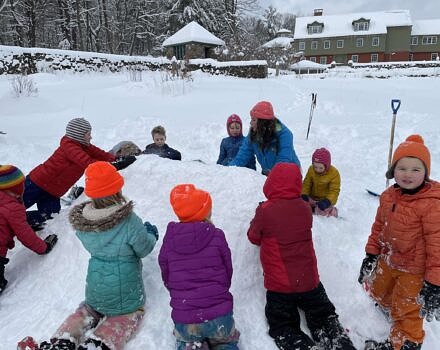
(352, 119)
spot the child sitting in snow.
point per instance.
(230, 145)
(13, 220)
(117, 240)
(159, 147)
(401, 269)
(322, 184)
(49, 181)
(197, 269)
(282, 227)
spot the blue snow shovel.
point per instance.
(395, 105)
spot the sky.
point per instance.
(425, 9)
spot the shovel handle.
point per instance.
(395, 105)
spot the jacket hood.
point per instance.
(100, 222)
(189, 237)
(284, 181)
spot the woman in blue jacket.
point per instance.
(269, 140)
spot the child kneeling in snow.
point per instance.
(282, 227)
(117, 239)
(322, 184)
(197, 269)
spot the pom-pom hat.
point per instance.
(234, 118)
(190, 203)
(262, 110)
(413, 146)
(11, 179)
(102, 180)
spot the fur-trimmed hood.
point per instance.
(84, 217)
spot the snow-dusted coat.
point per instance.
(282, 226)
(321, 186)
(13, 223)
(229, 148)
(406, 231)
(280, 150)
(116, 239)
(66, 165)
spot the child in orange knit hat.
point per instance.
(197, 270)
(401, 269)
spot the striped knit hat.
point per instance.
(11, 179)
(77, 128)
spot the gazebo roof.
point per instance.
(193, 32)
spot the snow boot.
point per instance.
(332, 336)
(409, 345)
(93, 344)
(295, 341)
(57, 344)
(374, 345)
(3, 281)
(75, 192)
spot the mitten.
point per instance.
(50, 240)
(123, 162)
(367, 268)
(429, 298)
(323, 204)
(305, 197)
(152, 229)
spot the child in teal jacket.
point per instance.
(117, 240)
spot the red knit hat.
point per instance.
(234, 118)
(102, 180)
(11, 179)
(322, 155)
(262, 110)
(189, 203)
(413, 146)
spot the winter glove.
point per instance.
(323, 204)
(305, 198)
(265, 172)
(429, 298)
(367, 268)
(123, 162)
(50, 240)
(152, 229)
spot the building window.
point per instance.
(315, 29)
(179, 51)
(302, 45)
(340, 44)
(326, 44)
(314, 45)
(355, 58)
(414, 40)
(358, 26)
(323, 59)
(429, 40)
(359, 42)
(375, 41)
(374, 57)
(434, 56)
(313, 59)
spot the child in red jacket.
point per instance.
(282, 227)
(13, 219)
(46, 183)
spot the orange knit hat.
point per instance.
(262, 110)
(189, 203)
(413, 146)
(102, 180)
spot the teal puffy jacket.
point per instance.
(117, 240)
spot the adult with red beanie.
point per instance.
(268, 139)
(13, 219)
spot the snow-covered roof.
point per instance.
(306, 64)
(278, 42)
(284, 31)
(193, 32)
(341, 25)
(426, 26)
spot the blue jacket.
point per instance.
(280, 150)
(116, 240)
(229, 148)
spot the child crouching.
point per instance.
(197, 269)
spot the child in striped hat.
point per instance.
(13, 219)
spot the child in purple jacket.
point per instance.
(197, 269)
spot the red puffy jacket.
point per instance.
(282, 226)
(66, 165)
(13, 223)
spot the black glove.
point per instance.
(429, 298)
(3, 280)
(367, 268)
(323, 204)
(152, 229)
(265, 172)
(305, 198)
(123, 162)
(50, 240)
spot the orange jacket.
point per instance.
(406, 231)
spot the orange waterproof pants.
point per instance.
(397, 291)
